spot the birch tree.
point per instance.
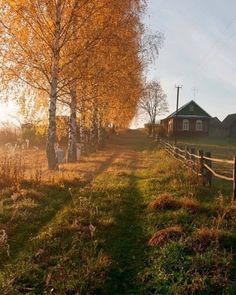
(85, 54)
(38, 35)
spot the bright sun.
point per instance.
(8, 112)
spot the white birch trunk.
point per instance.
(94, 129)
(101, 132)
(100, 135)
(82, 128)
(51, 139)
(72, 142)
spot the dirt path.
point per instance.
(125, 243)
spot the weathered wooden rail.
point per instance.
(201, 163)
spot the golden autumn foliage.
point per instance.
(82, 54)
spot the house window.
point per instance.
(185, 125)
(199, 125)
(191, 108)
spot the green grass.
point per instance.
(179, 267)
(222, 148)
(219, 147)
(92, 238)
(210, 141)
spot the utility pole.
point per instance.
(178, 87)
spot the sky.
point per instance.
(199, 52)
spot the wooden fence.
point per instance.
(200, 163)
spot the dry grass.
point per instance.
(12, 171)
(4, 246)
(167, 201)
(165, 235)
(190, 204)
(107, 222)
(31, 165)
(204, 238)
(164, 201)
(226, 211)
(105, 260)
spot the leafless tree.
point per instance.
(153, 102)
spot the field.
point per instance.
(125, 220)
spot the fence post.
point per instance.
(174, 150)
(201, 165)
(234, 181)
(193, 158)
(208, 173)
(187, 155)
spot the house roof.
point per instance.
(185, 111)
(229, 120)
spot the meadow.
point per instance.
(125, 220)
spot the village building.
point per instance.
(189, 120)
(229, 126)
(215, 128)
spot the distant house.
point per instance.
(215, 128)
(190, 120)
(229, 126)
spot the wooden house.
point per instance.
(190, 120)
(215, 128)
(229, 126)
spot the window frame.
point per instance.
(185, 125)
(199, 123)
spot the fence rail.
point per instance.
(201, 163)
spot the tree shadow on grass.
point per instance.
(54, 199)
(125, 243)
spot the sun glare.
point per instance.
(9, 113)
